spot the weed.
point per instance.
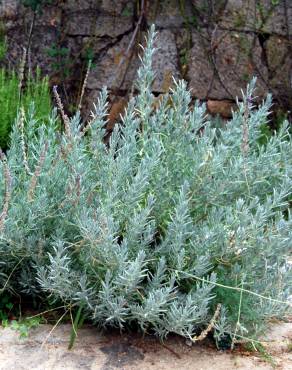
(262, 351)
(36, 92)
(36, 5)
(6, 307)
(61, 57)
(24, 326)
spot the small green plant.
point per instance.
(265, 11)
(6, 307)
(9, 92)
(24, 326)
(36, 5)
(35, 92)
(262, 351)
(127, 11)
(275, 2)
(61, 57)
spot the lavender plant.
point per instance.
(173, 226)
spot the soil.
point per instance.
(47, 350)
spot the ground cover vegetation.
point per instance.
(174, 226)
(16, 92)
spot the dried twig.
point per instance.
(37, 172)
(10, 275)
(64, 116)
(213, 48)
(126, 56)
(88, 126)
(245, 130)
(205, 332)
(238, 319)
(8, 189)
(30, 39)
(21, 126)
(84, 85)
(131, 43)
(53, 328)
(21, 73)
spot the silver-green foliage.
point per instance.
(142, 229)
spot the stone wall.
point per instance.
(216, 45)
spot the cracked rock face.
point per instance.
(221, 67)
(216, 45)
(87, 24)
(113, 69)
(280, 66)
(258, 16)
(165, 61)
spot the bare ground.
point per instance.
(93, 350)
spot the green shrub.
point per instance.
(169, 225)
(36, 91)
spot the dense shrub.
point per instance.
(160, 226)
(36, 91)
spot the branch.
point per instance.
(8, 189)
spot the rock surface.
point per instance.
(216, 45)
(220, 67)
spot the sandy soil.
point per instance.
(94, 350)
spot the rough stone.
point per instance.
(117, 109)
(118, 7)
(280, 20)
(47, 36)
(219, 68)
(164, 65)
(84, 24)
(50, 16)
(208, 13)
(165, 61)
(262, 16)
(167, 14)
(107, 71)
(77, 5)
(217, 45)
(279, 61)
(222, 107)
(241, 15)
